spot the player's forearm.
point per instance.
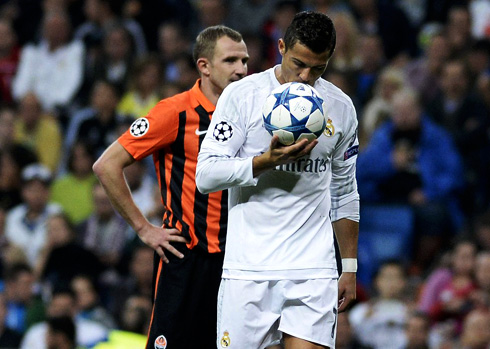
(216, 173)
(111, 176)
(347, 233)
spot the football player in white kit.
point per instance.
(280, 278)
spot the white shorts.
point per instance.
(254, 314)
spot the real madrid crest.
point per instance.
(329, 129)
(225, 340)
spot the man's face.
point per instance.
(300, 64)
(229, 62)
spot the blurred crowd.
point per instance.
(74, 74)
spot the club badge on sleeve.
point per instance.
(223, 131)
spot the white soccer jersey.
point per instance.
(279, 223)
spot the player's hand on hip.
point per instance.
(160, 238)
(347, 290)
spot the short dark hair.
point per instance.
(206, 40)
(314, 30)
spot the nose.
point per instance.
(241, 69)
(304, 75)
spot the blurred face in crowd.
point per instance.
(117, 44)
(56, 29)
(58, 231)
(463, 259)
(390, 281)
(30, 110)
(104, 98)
(35, 194)
(7, 37)
(454, 80)
(20, 289)
(81, 161)
(62, 304)
(417, 332)
(300, 64)
(228, 64)
(406, 111)
(482, 270)
(170, 41)
(85, 293)
(476, 330)
(103, 207)
(6, 127)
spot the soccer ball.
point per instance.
(294, 111)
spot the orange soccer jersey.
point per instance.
(172, 132)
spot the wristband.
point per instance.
(349, 265)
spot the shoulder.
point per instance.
(333, 93)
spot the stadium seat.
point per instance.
(385, 232)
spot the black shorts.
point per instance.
(185, 305)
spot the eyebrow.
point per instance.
(300, 62)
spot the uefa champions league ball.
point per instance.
(294, 111)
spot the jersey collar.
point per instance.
(201, 98)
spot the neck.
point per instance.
(209, 90)
(278, 73)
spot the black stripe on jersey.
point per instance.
(177, 175)
(223, 220)
(204, 122)
(201, 200)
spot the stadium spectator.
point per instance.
(9, 59)
(417, 331)
(100, 16)
(62, 303)
(345, 338)
(98, 124)
(476, 330)
(275, 26)
(60, 333)
(60, 258)
(383, 18)
(372, 61)
(73, 190)
(481, 296)
(9, 338)
(143, 84)
(378, 109)
(24, 307)
(13, 159)
(346, 58)
(172, 43)
(105, 231)
(452, 300)
(423, 74)
(461, 112)
(411, 161)
(458, 30)
(7, 117)
(115, 62)
(38, 131)
(249, 16)
(52, 69)
(208, 13)
(380, 322)
(26, 222)
(87, 300)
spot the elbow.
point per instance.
(99, 167)
(201, 184)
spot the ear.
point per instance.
(281, 46)
(203, 66)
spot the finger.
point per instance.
(162, 254)
(177, 238)
(274, 142)
(174, 251)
